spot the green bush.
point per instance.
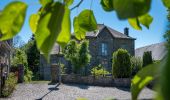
(136, 64)
(121, 67)
(28, 75)
(10, 84)
(147, 58)
(99, 71)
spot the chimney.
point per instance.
(126, 31)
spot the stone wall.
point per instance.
(100, 81)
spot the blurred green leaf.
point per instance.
(34, 18)
(131, 8)
(134, 22)
(146, 20)
(68, 2)
(87, 20)
(107, 5)
(44, 2)
(65, 34)
(165, 79)
(83, 23)
(142, 78)
(48, 28)
(166, 3)
(11, 19)
(78, 31)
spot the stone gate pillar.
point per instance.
(54, 73)
(20, 73)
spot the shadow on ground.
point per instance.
(51, 89)
(81, 86)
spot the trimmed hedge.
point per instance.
(121, 66)
(136, 64)
(147, 58)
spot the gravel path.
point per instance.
(44, 91)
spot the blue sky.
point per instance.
(144, 37)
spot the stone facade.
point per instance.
(100, 81)
(102, 44)
(5, 53)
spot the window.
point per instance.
(124, 46)
(104, 49)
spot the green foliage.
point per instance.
(99, 71)
(33, 55)
(147, 58)
(136, 64)
(68, 2)
(65, 34)
(11, 19)
(84, 22)
(63, 68)
(145, 20)
(165, 79)
(121, 67)
(19, 58)
(33, 22)
(142, 78)
(45, 2)
(10, 84)
(49, 26)
(78, 54)
(166, 3)
(70, 50)
(107, 5)
(28, 75)
(134, 22)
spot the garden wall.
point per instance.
(99, 81)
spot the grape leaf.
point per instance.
(166, 3)
(65, 34)
(134, 22)
(68, 2)
(146, 20)
(11, 19)
(34, 18)
(142, 78)
(131, 8)
(107, 5)
(44, 2)
(48, 28)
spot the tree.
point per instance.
(33, 56)
(77, 54)
(147, 58)
(121, 67)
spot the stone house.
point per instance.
(102, 44)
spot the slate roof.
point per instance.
(158, 51)
(114, 33)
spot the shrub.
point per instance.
(147, 58)
(136, 64)
(63, 68)
(10, 84)
(99, 71)
(121, 67)
(28, 75)
(77, 54)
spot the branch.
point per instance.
(77, 5)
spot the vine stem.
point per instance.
(76, 6)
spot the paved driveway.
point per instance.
(43, 91)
